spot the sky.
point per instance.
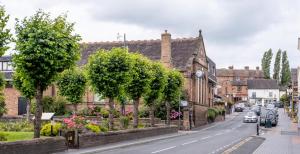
(236, 32)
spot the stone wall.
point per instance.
(219, 118)
(200, 115)
(35, 146)
(89, 140)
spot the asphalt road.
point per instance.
(215, 139)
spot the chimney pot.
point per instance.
(230, 67)
(257, 68)
(246, 67)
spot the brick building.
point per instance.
(188, 55)
(233, 82)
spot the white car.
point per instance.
(251, 117)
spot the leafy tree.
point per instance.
(139, 85)
(266, 63)
(45, 48)
(285, 70)
(122, 99)
(157, 85)
(276, 74)
(26, 88)
(71, 84)
(5, 35)
(3, 109)
(109, 73)
(172, 91)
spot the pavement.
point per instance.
(210, 139)
(282, 139)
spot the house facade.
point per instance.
(233, 82)
(188, 55)
(263, 91)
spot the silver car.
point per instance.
(250, 117)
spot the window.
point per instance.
(98, 99)
(253, 94)
(9, 66)
(4, 66)
(239, 88)
(270, 94)
(1, 66)
(237, 78)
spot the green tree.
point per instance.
(72, 84)
(46, 47)
(139, 85)
(285, 70)
(3, 109)
(276, 74)
(26, 88)
(157, 85)
(5, 35)
(172, 91)
(109, 74)
(266, 63)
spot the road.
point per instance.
(213, 140)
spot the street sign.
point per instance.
(183, 103)
(47, 116)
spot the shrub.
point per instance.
(92, 127)
(103, 129)
(104, 124)
(46, 129)
(104, 112)
(3, 136)
(59, 106)
(74, 122)
(23, 126)
(144, 112)
(141, 126)
(51, 104)
(48, 104)
(124, 122)
(211, 114)
(2, 105)
(116, 113)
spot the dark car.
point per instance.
(239, 107)
(278, 104)
(256, 109)
(268, 114)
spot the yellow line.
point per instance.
(228, 151)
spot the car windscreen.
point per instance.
(250, 114)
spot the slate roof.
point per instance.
(6, 58)
(239, 83)
(262, 84)
(240, 73)
(181, 49)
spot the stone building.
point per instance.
(233, 82)
(188, 55)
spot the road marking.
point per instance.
(164, 149)
(218, 134)
(228, 151)
(190, 142)
(203, 138)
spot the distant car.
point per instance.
(278, 104)
(251, 117)
(268, 114)
(239, 107)
(256, 109)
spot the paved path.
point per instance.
(213, 139)
(282, 139)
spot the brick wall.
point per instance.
(11, 96)
(35, 146)
(89, 140)
(200, 115)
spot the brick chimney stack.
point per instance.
(246, 67)
(257, 68)
(230, 67)
(166, 49)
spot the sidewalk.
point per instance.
(283, 139)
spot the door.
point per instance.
(22, 104)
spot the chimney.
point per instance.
(166, 48)
(257, 68)
(230, 67)
(246, 67)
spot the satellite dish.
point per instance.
(199, 74)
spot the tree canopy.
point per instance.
(276, 74)
(285, 70)
(5, 35)
(266, 63)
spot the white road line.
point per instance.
(203, 138)
(218, 134)
(190, 142)
(164, 149)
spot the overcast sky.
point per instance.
(236, 32)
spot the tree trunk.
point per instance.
(75, 108)
(123, 109)
(28, 109)
(151, 114)
(136, 103)
(111, 115)
(38, 112)
(168, 108)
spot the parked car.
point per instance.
(239, 107)
(250, 117)
(256, 109)
(278, 104)
(268, 114)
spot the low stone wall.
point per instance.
(219, 118)
(35, 146)
(89, 140)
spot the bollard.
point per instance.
(257, 130)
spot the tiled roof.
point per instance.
(239, 83)
(262, 84)
(240, 73)
(181, 49)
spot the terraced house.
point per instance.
(185, 54)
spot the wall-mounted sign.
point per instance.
(183, 103)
